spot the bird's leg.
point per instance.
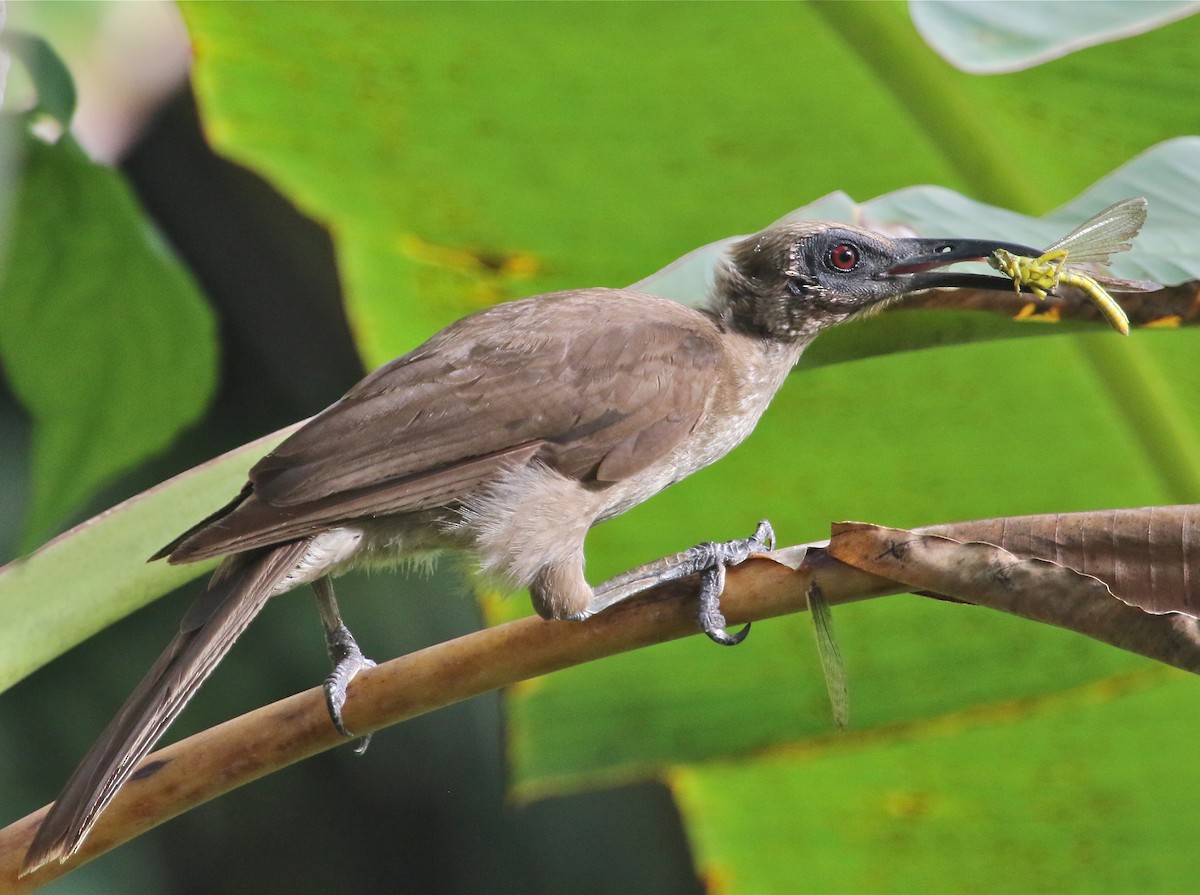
(348, 660)
(709, 560)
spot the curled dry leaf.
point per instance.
(1122, 576)
(1149, 556)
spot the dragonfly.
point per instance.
(1092, 242)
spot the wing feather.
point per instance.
(598, 384)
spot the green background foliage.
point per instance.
(106, 340)
(464, 154)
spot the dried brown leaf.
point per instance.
(1028, 586)
(1148, 557)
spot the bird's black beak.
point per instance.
(919, 260)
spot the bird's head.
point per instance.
(793, 280)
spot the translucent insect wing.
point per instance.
(1116, 284)
(1109, 232)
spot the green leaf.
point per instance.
(51, 80)
(455, 172)
(106, 339)
(1084, 796)
(97, 572)
(463, 218)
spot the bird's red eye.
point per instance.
(843, 256)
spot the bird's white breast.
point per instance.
(756, 370)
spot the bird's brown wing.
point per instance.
(597, 384)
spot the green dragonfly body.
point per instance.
(1092, 242)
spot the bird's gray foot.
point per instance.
(711, 561)
(348, 660)
(708, 560)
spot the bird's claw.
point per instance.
(763, 538)
(712, 560)
(348, 661)
(712, 620)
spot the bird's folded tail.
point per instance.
(236, 594)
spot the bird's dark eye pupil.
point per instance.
(843, 256)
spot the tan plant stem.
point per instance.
(241, 750)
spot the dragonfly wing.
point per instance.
(1116, 284)
(1109, 232)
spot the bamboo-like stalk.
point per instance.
(202, 767)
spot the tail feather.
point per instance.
(234, 597)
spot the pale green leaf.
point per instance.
(993, 36)
(97, 572)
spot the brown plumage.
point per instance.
(507, 436)
(556, 381)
